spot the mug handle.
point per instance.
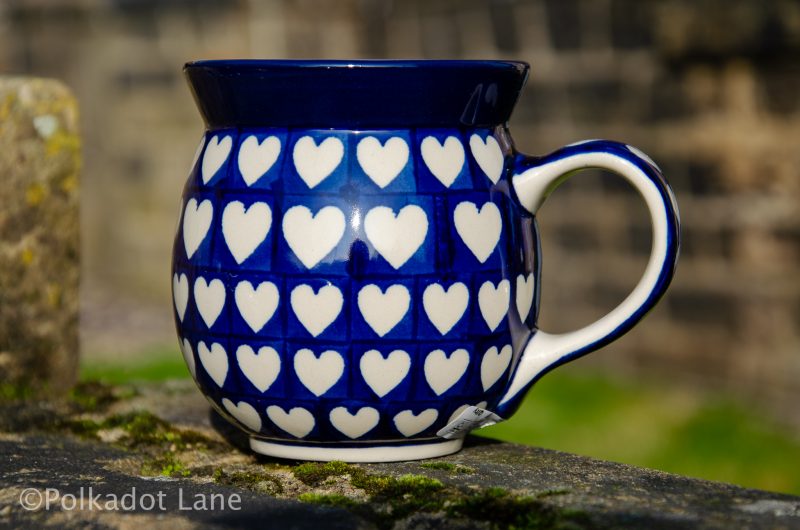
(534, 178)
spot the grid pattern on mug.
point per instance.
(281, 262)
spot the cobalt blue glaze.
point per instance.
(353, 266)
(356, 94)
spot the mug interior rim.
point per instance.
(361, 64)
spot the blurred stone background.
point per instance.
(709, 88)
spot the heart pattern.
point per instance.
(524, 295)
(315, 162)
(493, 302)
(209, 298)
(382, 163)
(196, 222)
(488, 155)
(354, 425)
(443, 160)
(245, 229)
(445, 308)
(479, 229)
(260, 368)
(342, 297)
(318, 374)
(214, 361)
(316, 311)
(442, 372)
(312, 237)
(216, 154)
(410, 424)
(383, 310)
(298, 421)
(384, 374)
(244, 414)
(256, 305)
(188, 357)
(198, 151)
(255, 158)
(494, 365)
(396, 237)
(180, 294)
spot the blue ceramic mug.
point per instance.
(356, 267)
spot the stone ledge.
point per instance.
(165, 439)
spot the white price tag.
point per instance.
(472, 418)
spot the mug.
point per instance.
(356, 266)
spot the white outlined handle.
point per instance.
(534, 179)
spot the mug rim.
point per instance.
(357, 94)
(457, 64)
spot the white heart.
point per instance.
(318, 374)
(298, 422)
(494, 301)
(196, 222)
(188, 356)
(180, 215)
(316, 311)
(444, 160)
(445, 308)
(315, 162)
(180, 294)
(256, 305)
(216, 154)
(524, 295)
(442, 372)
(244, 413)
(480, 230)
(410, 424)
(382, 163)
(260, 368)
(256, 159)
(354, 426)
(494, 365)
(209, 299)
(396, 238)
(462, 408)
(214, 361)
(312, 237)
(245, 229)
(488, 155)
(382, 375)
(383, 311)
(199, 150)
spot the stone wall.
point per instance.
(39, 237)
(708, 88)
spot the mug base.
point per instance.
(372, 453)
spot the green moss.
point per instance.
(142, 430)
(314, 473)
(93, 396)
(165, 465)
(261, 482)
(339, 501)
(82, 427)
(394, 498)
(447, 466)
(15, 392)
(505, 510)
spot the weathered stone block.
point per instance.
(39, 242)
(160, 440)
